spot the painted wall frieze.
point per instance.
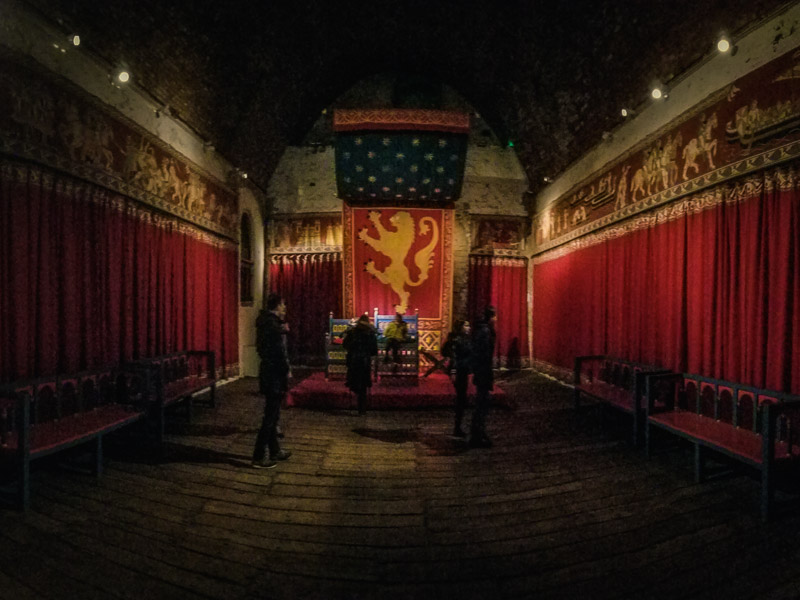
(751, 124)
(46, 119)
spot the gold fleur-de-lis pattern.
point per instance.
(400, 165)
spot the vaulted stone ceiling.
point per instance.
(551, 75)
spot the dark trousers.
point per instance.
(361, 397)
(268, 434)
(482, 403)
(460, 381)
(392, 345)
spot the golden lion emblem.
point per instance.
(396, 245)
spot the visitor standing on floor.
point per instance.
(273, 380)
(483, 341)
(361, 344)
(458, 348)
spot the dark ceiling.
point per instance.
(550, 75)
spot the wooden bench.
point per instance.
(176, 378)
(615, 382)
(750, 425)
(44, 416)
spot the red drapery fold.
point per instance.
(91, 278)
(715, 291)
(311, 285)
(500, 282)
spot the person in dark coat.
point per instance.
(273, 381)
(458, 348)
(483, 340)
(361, 344)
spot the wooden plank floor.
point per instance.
(388, 506)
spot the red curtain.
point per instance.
(715, 291)
(90, 278)
(500, 282)
(311, 285)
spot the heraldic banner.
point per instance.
(400, 260)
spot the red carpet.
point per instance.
(433, 391)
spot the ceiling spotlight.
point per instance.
(123, 76)
(626, 112)
(725, 45)
(659, 91)
(244, 175)
(75, 40)
(546, 179)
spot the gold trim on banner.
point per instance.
(443, 322)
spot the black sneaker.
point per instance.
(282, 455)
(264, 463)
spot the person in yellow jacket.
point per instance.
(395, 333)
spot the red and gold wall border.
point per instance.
(306, 233)
(46, 119)
(400, 119)
(753, 185)
(42, 177)
(751, 124)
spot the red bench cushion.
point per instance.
(176, 390)
(609, 393)
(46, 436)
(720, 434)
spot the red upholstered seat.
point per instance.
(720, 434)
(181, 388)
(76, 427)
(612, 394)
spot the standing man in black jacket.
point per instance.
(273, 379)
(483, 340)
(361, 344)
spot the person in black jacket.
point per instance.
(361, 344)
(483, 340)
(458, 348)
(273, 380)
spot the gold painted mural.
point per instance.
(749, 125)
(309, 233)
(492, 234)
(52, 122)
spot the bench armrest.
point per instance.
(211, 364)
(655, 382)
(579, 360)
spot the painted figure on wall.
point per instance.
(622, 189)
(704, 145)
